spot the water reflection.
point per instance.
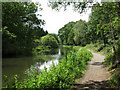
(47, 64)
(13, 66)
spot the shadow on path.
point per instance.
(93, 85)
(97, 63)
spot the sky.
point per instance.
(57, 19)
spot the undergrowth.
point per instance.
(99, 48)
(113, 62)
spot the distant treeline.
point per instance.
(102, 27)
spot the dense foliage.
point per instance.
(49, 40)
(45, 44)
(20, 26)
(73, 33)
(60, 76)
(103, 26)
(64, 32)
(21, 32)
(104, 23)
(102, 30)
(114, 64)
(77, 6)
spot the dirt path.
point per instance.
(96, 75)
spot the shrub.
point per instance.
(45, 44)
(115, 77)
(49, 40)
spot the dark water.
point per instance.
(13, 66)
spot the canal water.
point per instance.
(13, 66)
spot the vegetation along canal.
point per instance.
(22, 64)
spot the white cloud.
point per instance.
(57, 19)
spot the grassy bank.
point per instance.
(100, 48)
(60, 76)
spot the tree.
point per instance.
(78, 6)
(103, 24)
(63, 33)
(20, 20)
(74, 33)
(56, 37)
(80, 29)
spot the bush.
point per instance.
(115, 77)
(109, 60)
(39, 50)
(49, 40)
(45, 44)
